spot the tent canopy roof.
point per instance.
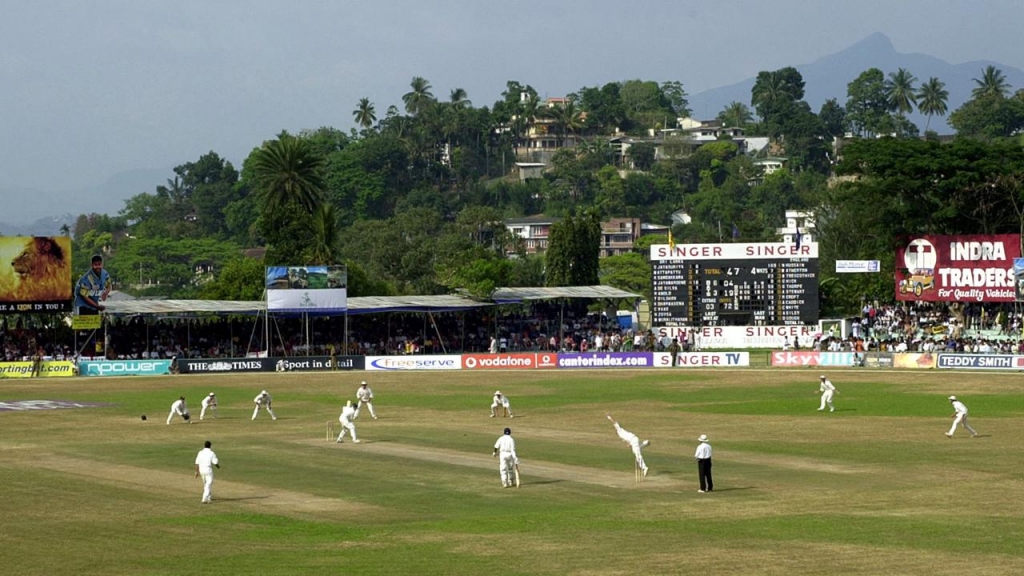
(370, 304)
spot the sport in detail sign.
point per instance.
(955, 268)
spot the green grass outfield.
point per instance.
(874, 488)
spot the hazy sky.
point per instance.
(90, 89)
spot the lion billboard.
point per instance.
(35, 274)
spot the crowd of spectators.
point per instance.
(540, 327)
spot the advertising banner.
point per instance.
(434, 362)
(48, 369)
(35, 274)
(702, 359)
(795, 358)
(1018, 276)
(318, 289)
(256, 364)
(526, 361)
(857, 266)
(606, 360)
(878, 360)
(740, 336)
(976, 268)
(124, 367)
(980, 362)
(913, 360)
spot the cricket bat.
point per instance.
(517, 475)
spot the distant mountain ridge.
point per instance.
(828, 76)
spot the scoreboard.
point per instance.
(758, 284)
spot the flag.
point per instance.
(798, 238)
(735, 231)
(671, 242)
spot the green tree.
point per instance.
(774, 94)
(642, 155)
(989, 117)
(867, 108)
(630, 272)
(735, 114)
(833, 118)
(364, 114)
(573, 254)
(900, 92)
(420, 97)
(992, 83)
(676, 96)
(932, 98)
(459, 99)
(288, 170)
(324, 237)
(240, 279)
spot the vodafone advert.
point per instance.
(509, 361)
(740, 336)
(977, 268)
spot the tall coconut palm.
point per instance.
(931, 99)
(992, 83)
(569, 118)
(900, 92)
(459, 99)
(288, 170)
(365, 114)
(324, 238)
(420, 97)
(736, 114)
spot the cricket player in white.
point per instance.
(365, 396)
(500, 401)
(180, 409)
(959, 417)
(208, 403)
(634, 443)
(505, 450)
(263, 399)
(348, 413)
(826, 389)
(206, 460)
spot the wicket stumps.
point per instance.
(639, 478)
(330, 430)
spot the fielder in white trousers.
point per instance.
(827, 390)
(263, 399)
(959, 417)
(505, 450)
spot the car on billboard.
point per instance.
(918, 282)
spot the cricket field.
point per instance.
(874, 488)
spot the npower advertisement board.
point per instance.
(976, 268)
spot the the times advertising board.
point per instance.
(752, 284)
(35, 274)
(975, 268)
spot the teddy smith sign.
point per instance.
(957, 268)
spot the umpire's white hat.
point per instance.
(951, 398)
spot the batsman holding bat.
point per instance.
(508, 461)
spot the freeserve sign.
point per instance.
(438, 362)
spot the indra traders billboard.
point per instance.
(954, 268)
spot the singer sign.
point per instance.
(975, 268)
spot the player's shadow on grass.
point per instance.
(241, 498)
(733, 489)
(542, 482)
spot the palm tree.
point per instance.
(365, 114)
(65, 230)
(569, 118)
(736, 114)
(324, 237)
(288, 169)
(420, 97)
(991, 83)
(932, 99)
(459, 98)
(900, 92)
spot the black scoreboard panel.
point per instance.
(751, 292)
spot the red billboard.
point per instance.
(977, 268)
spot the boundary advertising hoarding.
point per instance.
(433, 362)
(976, 268)
(320, 289)
(740, 336)
(702, 359)
(515, 361)
(35, 274)
(124, 367)
(980, 362)
(48, 369)
(291, 363)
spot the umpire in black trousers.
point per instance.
(703, 456)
